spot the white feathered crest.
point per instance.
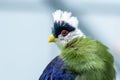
(60, 16)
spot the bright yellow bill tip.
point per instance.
(51, 38)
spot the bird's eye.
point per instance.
(64, 32)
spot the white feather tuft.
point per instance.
(73, 21)
(59, 15)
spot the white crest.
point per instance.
(59, 15)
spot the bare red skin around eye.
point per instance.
(64, 32)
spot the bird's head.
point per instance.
(65, 28)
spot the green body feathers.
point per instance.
(90, 58)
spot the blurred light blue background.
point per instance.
(26, 24)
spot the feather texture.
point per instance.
(81, 59)
(60, 16)
(90, 57)
(56, 71)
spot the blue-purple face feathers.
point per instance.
(60, 26)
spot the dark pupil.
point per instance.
(64, 32)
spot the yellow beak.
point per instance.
(51, 38)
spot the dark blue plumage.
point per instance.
(55, 71)
(59, 26)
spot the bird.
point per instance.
(81, 57)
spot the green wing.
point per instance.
(90, 58)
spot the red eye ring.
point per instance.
(64, 32)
